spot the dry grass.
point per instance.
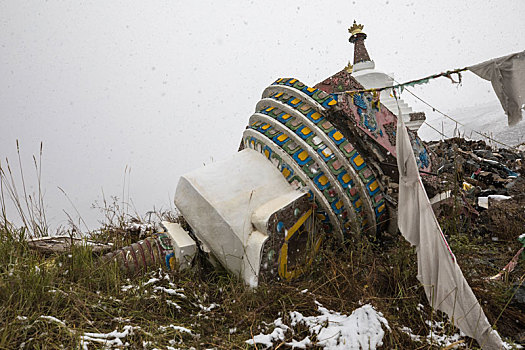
(89, 297)
(82, 295)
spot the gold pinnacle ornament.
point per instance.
(349, 68)
(355, 28)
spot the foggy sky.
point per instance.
(163, 87)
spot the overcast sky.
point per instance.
(163, 87)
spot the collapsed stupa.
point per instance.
(314, 161)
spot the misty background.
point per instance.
(128, 95)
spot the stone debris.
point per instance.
(184, 247)
(480, 183)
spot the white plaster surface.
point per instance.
(184, 247)
(261, 215)
(218, 200)
(366, 74)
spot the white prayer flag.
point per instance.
(445, 287)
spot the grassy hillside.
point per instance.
(58, 301)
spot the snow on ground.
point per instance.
(111, 339)
(116, 338)
(438, 336)
(53, 319)
(170, 291)
(363, 329)
(177, 328)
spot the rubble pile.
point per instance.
(485, 187)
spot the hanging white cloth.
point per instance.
(445, 287)
(507, 75)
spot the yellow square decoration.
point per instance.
(316, 116)
(337, 136)
(303, 155)
(358, 160)
(306, 130)
(282, 137)
(327, 152)
(323, 180)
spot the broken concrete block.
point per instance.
(483, 202)
(184, 247)
(219, 201)
(294, 236)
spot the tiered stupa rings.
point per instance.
(290, 128)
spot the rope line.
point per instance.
(436, 130)
(424, 80)
(402, 87)
(457, 122)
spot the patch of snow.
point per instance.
(107, 339)
(437, 335)
(177, 328)
(170, 291)
(412, 336)
(53, 319)
(209, 308)
(174, 304)
(303, 344)
(508, 346)
(126, 288)
(267, 340)
(363, 329)
(141, 227)
(151, 280)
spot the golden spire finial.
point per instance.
(355, 28)
(349, 68)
